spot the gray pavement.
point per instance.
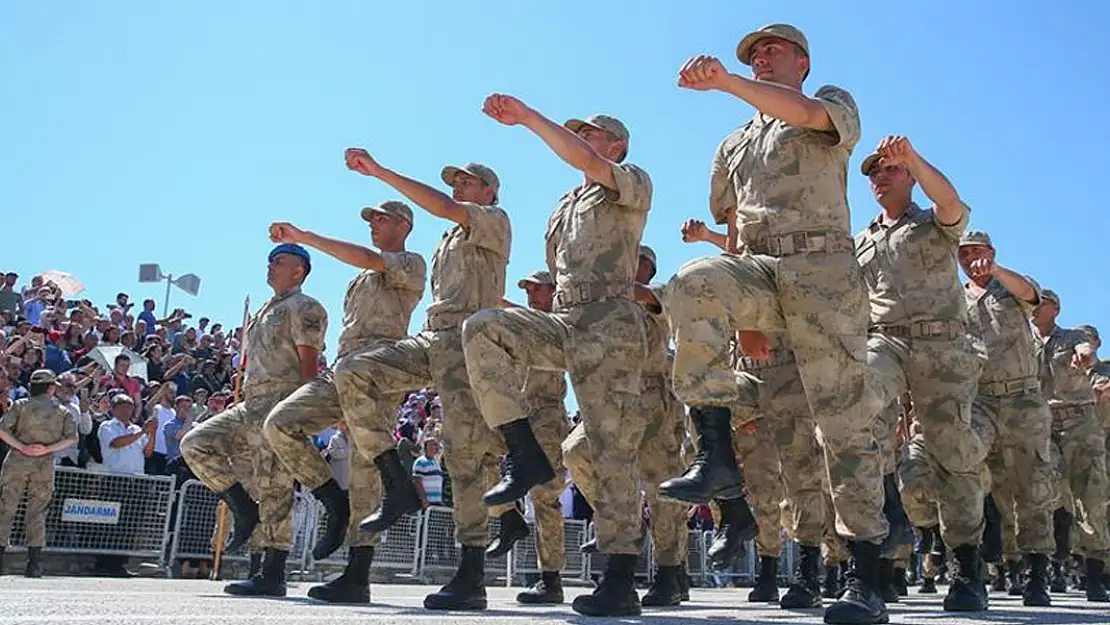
(78, 601)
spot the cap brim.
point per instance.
(449, 172)
(975, 244)
(369, 212)
(869, 163)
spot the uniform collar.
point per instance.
(911, 211)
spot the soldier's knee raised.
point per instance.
(478, 323)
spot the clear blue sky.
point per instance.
(176, 132)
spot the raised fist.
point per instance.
(702, 73)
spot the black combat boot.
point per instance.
(269, 582)
(832, 582)
(526, 465)
(467, 589)
(886, 580)
(862, 601)
(998, 580)
(665, 589)
(244, 514)
(34, 562)
(616, 594)
(805, 592)
(928, 586)
(992, 531)
(737, 527)
(1096, 591)
(399, 496)
(1062, 521)
(967, 592)
(353, 586)
(767, 584)
(1013, 578)
(255, 564)
(925, 536)
(900, 582)
(513, 528)
(684, 577)
(714, 470)
(337, 503)
(548, 590)
(901, 530)
(1035, 590)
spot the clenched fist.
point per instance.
(360, 160)
(694, 230)
(506, 109)
(702, 73)
(896, 150)
(285, 232)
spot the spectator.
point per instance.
(150, 323)
(159, 407)
(429, 475)
(203, 351)
(336, 454)
(34, 307)
(78, 409)
(10, 299)
(55, 356)
(119, 378)
(124, 447)
(111, 336)
(175, 429)
(129, 340)
(32, 360)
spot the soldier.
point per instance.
(377, 308)
(918, 341)
(779, 182)
(763, 480)
(596, 332)
(1000, 302)
(659, 455)
(772, 388)
(1100, 381)
(1078, 440)
(33, 428)
(468, 274)
(545, 393)
(283, 343)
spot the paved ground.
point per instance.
(74, 601)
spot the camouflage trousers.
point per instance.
(549, 424)
(776, 394)
(1020, 463)
(211, 450)
(763, 481)
(35, 477)
(370, 383)
(311, 409)
(833, 547)
(602, 345)
(820, 301)
(1079, 445)
(942, 375)
(658, 459)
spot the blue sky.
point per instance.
(176, 132)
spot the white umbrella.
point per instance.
(69, 285)
(105, 356)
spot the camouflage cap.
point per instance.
(393, 208)
(869, 163)
(611, 125)
(1091, 331)
(648, 253)
(478, 170)
(537, 277)
(1049, 294)
(781, 31)
(976, 237)
(43, 376)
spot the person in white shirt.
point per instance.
(67, 398)
(124, 445)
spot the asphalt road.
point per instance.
(78, 601)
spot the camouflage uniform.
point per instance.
(35, 420)
(773, 389)
(467, 275)
(1010, 398)
(545, 394)
(763, 480)
(786, 187)
(377, 309)
(596, 332)
(273, 371)
(1078, 440)
(918, 343)
(660, 452)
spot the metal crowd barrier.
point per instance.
(526, 556)
(104, 514)
(645, 562)
(398, 548)
(438, 551)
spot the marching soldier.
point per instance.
(596, 332)
(377, 309)
(33, 428)
(545, 393)
(1078, 440)
(468, 275)
(283, 343)
(779, 182)
(1000, 302)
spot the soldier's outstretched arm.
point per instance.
(704, 73)
(566, 145)
(429, 198)
(351, 253)
(898, 150)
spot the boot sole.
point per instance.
(470, 606)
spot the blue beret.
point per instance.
(294, 249)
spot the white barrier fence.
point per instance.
(144, 516)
